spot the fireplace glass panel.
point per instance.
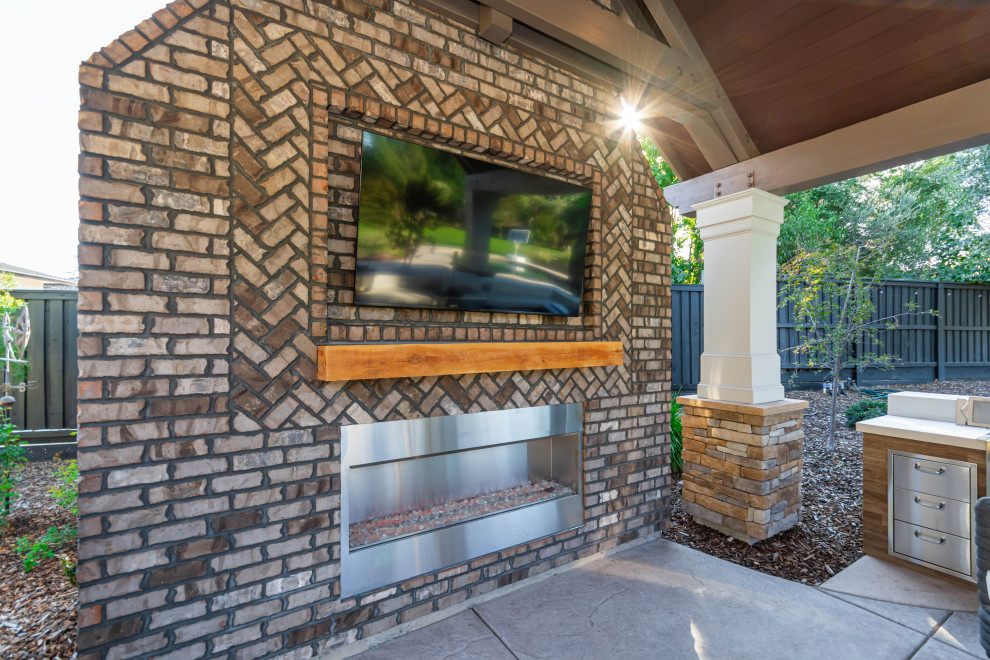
(415, 495)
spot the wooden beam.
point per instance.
(592, 30)
(339, 362)
(953, 121)
(532, 42)
(675, 29)
(706, 133)
(494, 26)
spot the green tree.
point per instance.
(933, 214)
(658, 166)
(819, 218)
(8, 303)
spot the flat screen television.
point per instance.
(445, 231)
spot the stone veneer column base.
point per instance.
(742, 465)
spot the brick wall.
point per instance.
(220, 157)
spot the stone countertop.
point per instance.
(927, 430)
(770, 408)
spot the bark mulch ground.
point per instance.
(829, 536)
(37, 609)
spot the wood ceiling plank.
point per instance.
(804, 46)
(917, 89)
(865, 100)
(781, 61)
(695, 12)
(884, 82)
(721, 31)
(765, 43)
(836, 60)
(915, 40)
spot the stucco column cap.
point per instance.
(751, 203)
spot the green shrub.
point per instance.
(865, 409)
(33, 552)
(66, 493)
(676, 438)
(11, 460)
(69, 568)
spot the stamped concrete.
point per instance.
(919, 619)
(662, 599)
(667, 601)
(962, 631)
(461, 636)
(936, 650)
(874, 578)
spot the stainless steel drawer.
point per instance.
(932, 547)
(937, 513)
(934, 477)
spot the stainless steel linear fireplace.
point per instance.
(424, 494)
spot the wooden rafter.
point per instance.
(724, 116)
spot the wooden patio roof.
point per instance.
(786, 93)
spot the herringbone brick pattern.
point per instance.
(272, 150)
(274, 70)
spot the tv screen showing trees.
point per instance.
(441, 230)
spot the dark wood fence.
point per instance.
(953, 344)
(47, 410)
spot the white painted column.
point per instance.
(740, 363)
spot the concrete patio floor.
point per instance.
(662, 600)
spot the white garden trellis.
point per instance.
(15, 340)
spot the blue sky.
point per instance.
(42, 48)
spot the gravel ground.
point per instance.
(37, 609)
(829, 536)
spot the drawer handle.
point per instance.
(918, 500)
(917, 466)
(919, 535)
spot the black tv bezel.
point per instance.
(581, 311)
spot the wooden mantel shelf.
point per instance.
(338, 362)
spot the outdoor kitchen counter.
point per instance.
(922, 473)
(927, 430)
(926, 417)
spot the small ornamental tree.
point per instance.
(830, 293)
